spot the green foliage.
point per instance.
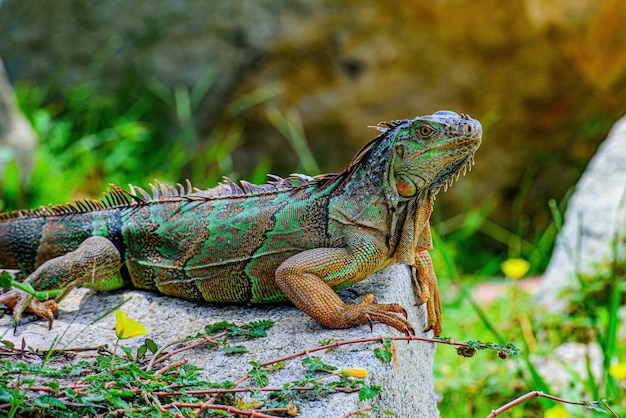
(254, 329)
(368, 392)
(7, 281)
(315, 364)
(385, 353)
(133, 388)
(234, 350)
(91, 136)
(258, 374)
(472, 388)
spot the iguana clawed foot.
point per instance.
(371, 311)
(19, 302)
(430, 297)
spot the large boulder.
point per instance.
(407, 390)
(17, 138)
(595, 221)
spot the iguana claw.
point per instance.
(384, 312)
(404, 313)
(19, 302)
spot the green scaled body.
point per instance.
(292, 239)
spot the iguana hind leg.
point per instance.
(307, 279)
(95, 263)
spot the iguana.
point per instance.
(295, 239)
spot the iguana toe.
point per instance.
(19, 302)
(433, 307)
(433, 310)
(369, 311)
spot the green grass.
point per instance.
(474, 387)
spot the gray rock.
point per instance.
(407, 390)
(595, 217)
(17, 138)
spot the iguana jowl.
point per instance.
(296, 239)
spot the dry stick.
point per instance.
(169, 366)
(252, 389)
(366, 340)
(226, 408)
(307, 351)
(156, 359)
(357, 412)
(41, 352)
(536, 394)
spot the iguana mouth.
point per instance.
(452, 172)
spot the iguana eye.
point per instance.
(425, 131)
(468, 129)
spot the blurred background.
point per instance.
(129, 91)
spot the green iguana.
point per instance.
(295, 239)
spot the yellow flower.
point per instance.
(126, 327)
(618, 371)
(557, 411)
(358, 373)
(515, 268)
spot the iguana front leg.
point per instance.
(94, 264)
(425, 277)
(307, 279)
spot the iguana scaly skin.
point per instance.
(296, 239)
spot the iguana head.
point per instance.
(429, 152)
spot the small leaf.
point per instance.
(211, 329)
(141, 351)
(259, 376)
(234, 350)
(6, 280)
(315, 364)
(128, 351)
(327, 341)
(47, 401)
(115, 398)
(594, 406)
(8, 344)
(383, 354)
(151, 345)
(368, 392)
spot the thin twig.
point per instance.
(357, 412)
(536, 394)
(156, 359)
(232, 410)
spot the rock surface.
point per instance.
(17, 138)
(407, 389)
(595, 217)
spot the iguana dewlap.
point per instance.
(296, 239)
